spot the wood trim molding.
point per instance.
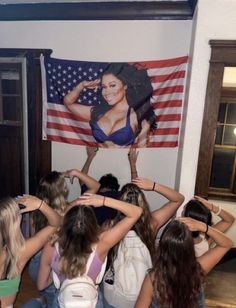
(116, 10)
(223, 53)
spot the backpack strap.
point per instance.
(90, 259)
(55, 278)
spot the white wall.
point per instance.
(107, 41)
(213, 21)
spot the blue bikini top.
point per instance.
(123, 136)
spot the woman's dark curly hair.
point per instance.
(138, 93)
(78, 233)
(177, 276)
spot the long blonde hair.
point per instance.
(53, 190)
(11, 236)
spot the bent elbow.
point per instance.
(182, 198)
(66, 101)
(230, 245)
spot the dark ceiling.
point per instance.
(114, 10)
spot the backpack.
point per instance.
(79, 291)
(123, 281)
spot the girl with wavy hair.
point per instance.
(15, 251)
(177, 276)
(53, 189)
(145, 228)
(79, 236)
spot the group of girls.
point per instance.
(177, 274)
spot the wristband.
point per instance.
(206, 229)
(153, 187)
(218, 212)
(40, 204)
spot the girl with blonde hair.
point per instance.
(15, 251)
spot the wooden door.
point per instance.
(24, 156)
(12, 181)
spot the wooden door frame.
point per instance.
(39, 150)
(223, 53)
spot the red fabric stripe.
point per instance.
(69, 128)
(64, 114)
(71, 140)
(167, 131)
(168, 90)
(161, 63)
(165, 104)
(163, 144)
(163, 78)
(168, 117)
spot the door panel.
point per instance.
(11, 130)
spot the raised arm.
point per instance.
(92, 184)
(223, 243)
(36, 242)
(70, 99)
(226, 218)
(132, 157)
(112, 236)
(143, 136)
(163, 214)
(91, 153)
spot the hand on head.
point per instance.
(71, 174)
(90, 199)
(31, 203)
(193, 224)
(205, 202)
(142, 183)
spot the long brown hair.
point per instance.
(78, 233)
(131, 193)
(177, 276)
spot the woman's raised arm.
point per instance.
(112, 236)
(36, 242)
(70, 99)
(226, 219)
(163, 214)
(223, 243)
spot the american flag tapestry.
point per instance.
(114, 104)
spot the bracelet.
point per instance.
(153, 187)
(206, 229)
(40, 204)
(218, 212)
(103, 203)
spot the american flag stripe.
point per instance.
(168, 80)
